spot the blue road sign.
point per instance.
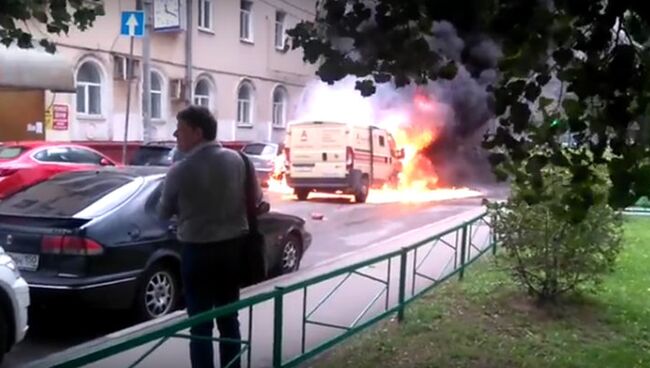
(132, 23)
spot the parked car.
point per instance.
(154, 154)
(95, 238)
(25, 163)
(164, 153)
(14, 300)
(268, 159)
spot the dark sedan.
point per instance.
(94, 238)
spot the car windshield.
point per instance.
(86, 194)
(152, 156)
(11, 152)
(259, 149)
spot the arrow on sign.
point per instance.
(132, 23)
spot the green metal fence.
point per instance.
(409, 269)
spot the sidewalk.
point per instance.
(343, 307)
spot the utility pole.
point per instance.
(189, 7)
(146, 69)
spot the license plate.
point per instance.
(27, 262)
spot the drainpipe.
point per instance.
(188, 51)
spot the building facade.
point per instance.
(241, 68)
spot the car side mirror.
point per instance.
(105, 162)
(400, 153)
(263, 208)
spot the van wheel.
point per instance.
(302, 194)
(361, 193)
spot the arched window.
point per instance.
(279, 106)
(156, 96)
(245, 104)
(202, 93)
(89, 89)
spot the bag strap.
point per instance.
(249, 194)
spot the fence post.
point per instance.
(277, 326)
(463, 247)
(402, 284)
(494, 234)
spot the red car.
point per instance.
(23, 164)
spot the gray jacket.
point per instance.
(206, 191)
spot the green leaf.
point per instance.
(544, 102)
(520, 116)
(532, 91)
(543, 79)
(448, 71)
(516, 88)
(367, 87)
(572, 108)
(563, 56)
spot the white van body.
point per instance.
(338, 157)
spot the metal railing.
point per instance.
(411, 271)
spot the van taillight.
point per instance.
(70, 245)
(349, 159)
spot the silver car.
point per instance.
(267, 158)
(14, 300)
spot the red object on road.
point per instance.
(23, 164)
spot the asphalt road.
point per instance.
(338, 227)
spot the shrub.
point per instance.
(548, 253)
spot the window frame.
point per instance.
(86, 86)
(197, 98)
(202, 12)
(282, 91)
(248, 15)
(160, 93)
(282, 25)
(249, 103)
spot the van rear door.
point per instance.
(318, 149)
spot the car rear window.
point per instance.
(76, 194)
(11, 152)
(259, 149)
(152, 156)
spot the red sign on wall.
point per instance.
(60, 117)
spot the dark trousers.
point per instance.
(211, 279)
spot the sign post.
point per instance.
(132, 25)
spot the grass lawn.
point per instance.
(484, 322)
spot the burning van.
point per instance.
(335, 157)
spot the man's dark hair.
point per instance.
(199, 117)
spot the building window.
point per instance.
(89, 89)
(202, 93)
(279, 106)
(205, 14)
(246, 21)
(156, 96)
(245, 104)
(279, 29)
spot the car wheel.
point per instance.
(158, 293)
(302, 194)
(291, 255)
(361, 194)
(4, 332)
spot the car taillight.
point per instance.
(70, 245)
(7, 172)
(349, 159)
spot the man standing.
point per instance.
(206, 191)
